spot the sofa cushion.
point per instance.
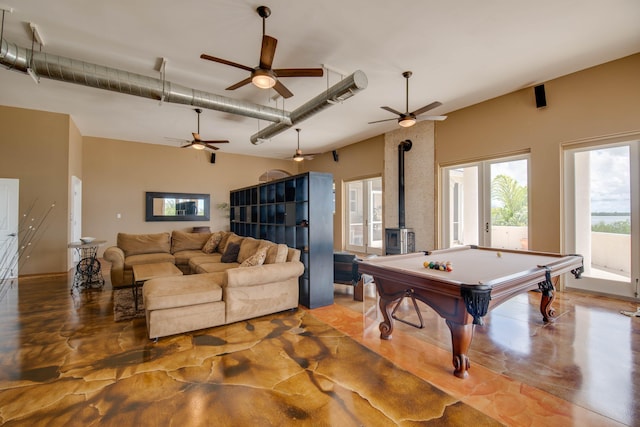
(276, 253)
(213, 267)
(212, 243)
(132, 260)
(136, 244)
(167, 292)
(231, 253)
(226, 235)
(255, 259)
(183, 257)
(248, 247)
(195, 261)
(183, 241)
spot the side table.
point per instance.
(88, 272)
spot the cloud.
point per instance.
(610, 180)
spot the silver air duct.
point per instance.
(69, 70)
(339, 92)
(86, 74)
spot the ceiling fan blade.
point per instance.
(267, 52)
(391, 110)
(187, 146)
(426, 108)
(215, 142)
(299, 72)
(282, 90)
(196, 136)
(240, 84)
(211, 147)
(224, 61)
(434, 118)
(380, 121)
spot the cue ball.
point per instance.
(499, 254)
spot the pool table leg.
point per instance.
(548, 295)
(461, 335)
(386, 326)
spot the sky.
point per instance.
(609, 178)
(610, 181)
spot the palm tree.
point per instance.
(512, 200)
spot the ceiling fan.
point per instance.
(197, 142)
(263, 76)
(298, 157)
(408, 119)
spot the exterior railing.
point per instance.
(609, 251)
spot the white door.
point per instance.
(602, 221)
(363, 214)
(9, 228)
(486, 203)
(75, 218)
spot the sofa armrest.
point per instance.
(263, 274)
(115, 256)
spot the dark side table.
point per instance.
(88, 272)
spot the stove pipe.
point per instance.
(402, 147)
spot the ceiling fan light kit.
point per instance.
(263, 79)
(407, 122)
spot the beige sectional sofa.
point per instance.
(227, 278)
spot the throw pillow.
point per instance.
(277, 253)
(255, 259)
(231, 253)
(225, 239)
(213, 242)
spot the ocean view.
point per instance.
(609, 219)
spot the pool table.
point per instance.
(480, 279)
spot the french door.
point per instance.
(486, 203)
(602, 216)
(363, 216)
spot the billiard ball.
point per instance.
(499, 254)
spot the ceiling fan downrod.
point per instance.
(406, 75)
(264, 13)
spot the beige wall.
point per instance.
(364, 159)
(595, 103)
(116, 175)
(34, 148)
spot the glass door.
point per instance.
(364, 216)
(486, 203)
(602, 216)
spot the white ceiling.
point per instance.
(461, 52)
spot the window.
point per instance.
(364, 216)
(602, 219)
(486, 203)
